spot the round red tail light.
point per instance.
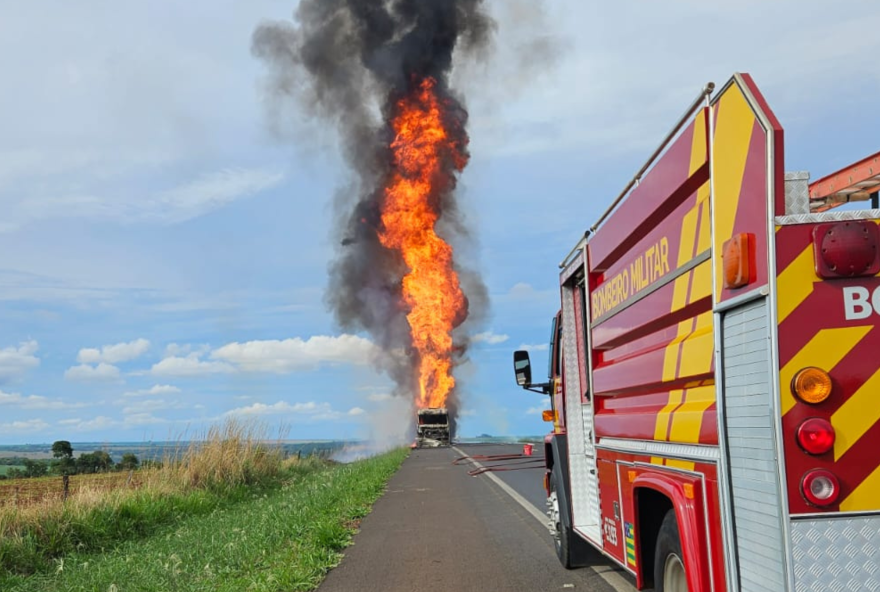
(847, 249)
(816, 435)
(820, 487)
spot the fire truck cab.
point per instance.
(714, 371)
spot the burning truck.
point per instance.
(432, 428)
(379, 71)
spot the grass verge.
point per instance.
(245, 537)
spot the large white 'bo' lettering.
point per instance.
(856, 304)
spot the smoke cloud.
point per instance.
(348, 63)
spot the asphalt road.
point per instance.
(438, 529)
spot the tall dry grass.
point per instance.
(234, 453)
(226, 460)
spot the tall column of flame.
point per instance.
(425, 157)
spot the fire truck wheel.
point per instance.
(561, 532)
(669, 572)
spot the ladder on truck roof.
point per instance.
(857, 182)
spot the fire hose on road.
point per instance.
(514, 462)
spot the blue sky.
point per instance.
(163, 255)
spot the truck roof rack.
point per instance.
(857, 182)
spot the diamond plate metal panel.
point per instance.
(574, 427)
(582, 464)
(832, 216)
(837, 554)
(797, 192)
(571, 267)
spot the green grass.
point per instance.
(6, 468)
(270, 538)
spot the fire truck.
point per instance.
(714, 370)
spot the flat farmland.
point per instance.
(27, 492)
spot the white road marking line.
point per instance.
(614, 579)
(542, 518)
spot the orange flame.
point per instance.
(423, 152)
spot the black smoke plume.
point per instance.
(348, 62)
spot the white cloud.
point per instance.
(586, 87)
(114, 354)
(534, 346)
(490, 338)
(534, 411)
(309, 411)
(194, 198)
(183, 350)
(379, 397)
(158, 389)
(147, 405)
(141, 419)
(99, 373)
(282, 357)
(191, 365)
(523, 293)
(98, 423)
(29, 425)
(35, 402)
(16, 361)
(212, 191)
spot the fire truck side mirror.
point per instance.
(522, 367)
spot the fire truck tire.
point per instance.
(571, 550)
(669, 571)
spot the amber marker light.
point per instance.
(548, 415)
(811, 385)
(737, 254)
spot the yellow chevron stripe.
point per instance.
(680, 464)
(698, 348)
(661, 427)
(670, 356)
(698, 143)
(705, 238)
(856, 416)
(733, 134)
(686, 342)
(865, 495)
(702, 286)
(688, 419)
(796, 283)
(688, 237)
(824, 350)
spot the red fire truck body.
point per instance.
(715, 368)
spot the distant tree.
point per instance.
(35, 468)
(129, 462)
(151, 464)
(63, 466)
(94, 462)
(62, 449)
(15, 473)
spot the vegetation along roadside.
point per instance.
(233, 516)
